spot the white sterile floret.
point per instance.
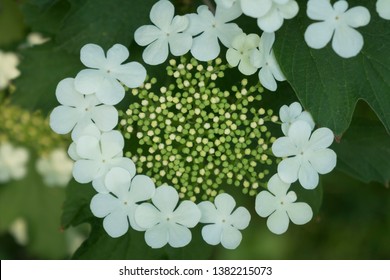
(167, 34)
(336, 22)
(102, 80)
(270, 14)
(264, 59)
(306, 154)
(98, 156)
(19, 230)
(166, 223)
(8, 68)
(224, 224)
(55, 168)
(281, 206)
(208, 29)
(226, 3)
(118, 207)
(79, 111)
(383, 8)
(13, 162)
(292, 113)
(239, 53)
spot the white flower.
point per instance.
(306, 155)
(98, 156)
(270, 14)
(167, 33)
(19, 230)
(13, 162)
(103, 79)
(281, 207)
(338, 23)
(226, 3)
(56, 168)
(165, 224)
(292, 113)
(224, 223)
(264, 58)
(383, 8)
(8, 70)
(239, 53)
(118, 207)
(211, 29)
(79, 111)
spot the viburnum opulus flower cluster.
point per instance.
(184, 142)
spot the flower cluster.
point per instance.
(12, 162)
(197, 136)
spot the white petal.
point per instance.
(284, 147)
(347, 42)
(295, 110)
(267, 80)
(83, 125)
(142, 188)
(265, 204)
(162, 14)
(116, 224)
(197, 24)
(105, 117)
(92, 56)
(278, 222)
(225, 203)
(88, 147)
(156, 52)
(266, 42)
(357, 16)
(319, 9)
(146, 215)
(180, 43)
(110, 91)
(383, 8)
(256, 8)
(132, 74)
(240, 218)
(212, 234)
(157, 236)
(84, 171)
(72, 152)
(288, 169)
(270, 22)
(233, 57)
(147, 34)
(227, 32)
(231, 238)
(103, 204)
(226, 14)
(246, 66)
(63, 119)
(284, 112)
(88, 81)
(117, 54)
(306, 116)
(117, 181)
(187, 214)
(289, 10)
(112, 143)
(308, 177)
(179, 236)
(274, 68)
(318, 34)
(165, 199)
(277, 186)
(205, 47)
(179, 24)
(67, 94)
(300, 213)
(99, 185)
(323, 161)
(208, 211)
(299, 133)
(321, 139)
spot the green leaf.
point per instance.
(11, 22)
(40, 206)
(42, 68)
(329, 86)
(102, 22)
(364, 152)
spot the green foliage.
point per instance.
(329, 86)
(364, 152)
(11, 22)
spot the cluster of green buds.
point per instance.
(197, 137)
(29, 129)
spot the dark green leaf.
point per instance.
(102, 22)
(11, 22)
(46, 66)
(364, 152)
(330, 86)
